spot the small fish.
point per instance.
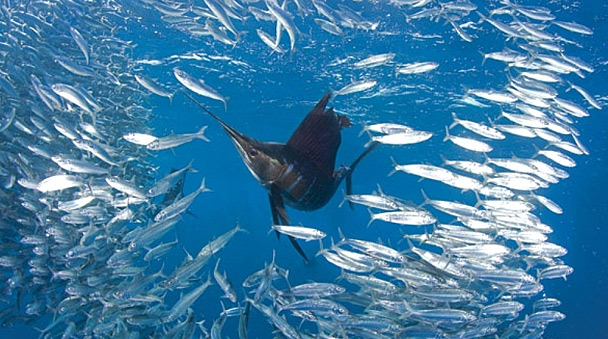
(417, 67)
(517, 181)
(163, 185)
(74, 68)
(468, 143)
(181, 205)
(72, 95)
(175, 140)
(125, 187)
(217, 8)
(267, 39)
(386, 128)
(139, 138)
(76, 204)
(299, 232)
(218, 243)
(285, 19)
(224, 283)
(586, 95)
(500, 97)
(573, 27)
(78, 166)
(218, 325)
(375, 60)
(414, 218)
(152, 86)
(470, 166)
(243, 320)
(81, 42)
(198, 86)
(475, 127)
(316, 290)
(425, 171)
(329, 27)
(403, 138)
(159, 251)
(186, 301)
(356, 86)
(58, 183)
(381, 201)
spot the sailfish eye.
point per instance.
(253, 153)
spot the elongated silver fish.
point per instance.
(356, 86)
(174, 140)
(198, 86)
(181, 205)
(153, 87)
(299, 232)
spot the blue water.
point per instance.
(269, 100)
(269, 94)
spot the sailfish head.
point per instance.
(256, 155)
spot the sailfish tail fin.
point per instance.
(349, 179)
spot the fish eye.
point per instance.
(253, 153)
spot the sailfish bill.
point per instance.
(299, 173)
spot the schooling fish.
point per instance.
(299, 173)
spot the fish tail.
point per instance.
(362, 131)
(395, 164)
(341, 235)
(456, 120)
(200, 134)
(371, 217)
(202, 187)
(426, 198)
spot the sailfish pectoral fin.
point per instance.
(349, 190)
(275, 215)
(295, 244)
(349, 179)
(280, 217)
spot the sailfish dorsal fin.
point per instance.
(317, 138)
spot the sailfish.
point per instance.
(299, 173)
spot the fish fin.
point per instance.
(193, 215)
(371, 217)
(456, 121)
(349, 190)
(279, 215)
(201, 134)
(349, 179)
(426, 198)
(343, 199)
(317, 138)
(447, 134)
(295, 244)
(225, 101)
(341, 235)
(275, 216)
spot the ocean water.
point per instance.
(268, 94)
